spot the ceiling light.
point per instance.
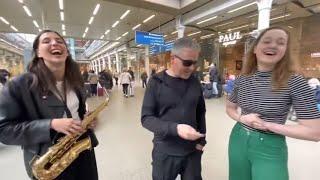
(84, 35)
(238, 27)
(206, 36)
(136, 26)
(257, 14)
(241, 7)
(91, 19)
(279, 17)
(224, 24)
(146, 20)
(12, 27)
(20, 1)
(102, 37)
(125, 14)
(96, 9)
(63, 27)
(115, 24)
(290, 27)
(191, 34)
(165, 35)
(39, 30)
(174, 32)
(35, 23)
(118, 38)
(4, 20)
(206, 20)
(252, 16)
(124, 34)
(61, 4)
(85, 31)
(107, 31)
(62, 16)
(63, 33)
(26, 9)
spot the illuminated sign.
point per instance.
(230, 38)
(148, 38)
(315, 55)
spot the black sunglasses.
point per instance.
(186, 62)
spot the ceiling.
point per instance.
(78, 12)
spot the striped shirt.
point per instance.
(253, 94)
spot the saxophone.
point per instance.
(65, 151)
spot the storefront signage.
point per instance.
(230, 38)
(148, 38)
(315, 55)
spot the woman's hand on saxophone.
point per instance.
(94, 123)
(67, 126)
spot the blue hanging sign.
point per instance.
(148, 38)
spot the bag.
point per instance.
(100, 91)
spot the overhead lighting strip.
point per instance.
(206, 36)
(95, 12)
(26, 9)
(136, 26)
(96, 9)
(125, 14)
(239, 8)
(224, 24)
(238, 27)
(28, 12)
(61, 5)
(4, 20)
(191, 34)
(279, 17)
(206, 20)
(149, 18)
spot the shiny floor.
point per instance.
(125, 147)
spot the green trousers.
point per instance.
(257, 156)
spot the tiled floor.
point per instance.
(125, 147)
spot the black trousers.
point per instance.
(167, 167)
(144, 83)
(93, 89)
(125, 89)
(83, 168)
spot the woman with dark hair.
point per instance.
(40, 106)
(266, 89)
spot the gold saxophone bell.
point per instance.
(59, 156)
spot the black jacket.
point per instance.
(26, 114)
(163, 109)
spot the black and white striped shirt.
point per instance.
(253, 94)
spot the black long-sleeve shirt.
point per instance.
(170, 101)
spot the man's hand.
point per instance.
(199, 147)
(188, 133)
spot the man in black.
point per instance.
(214, 76)
(174, 110)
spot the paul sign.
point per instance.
(230, 38)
